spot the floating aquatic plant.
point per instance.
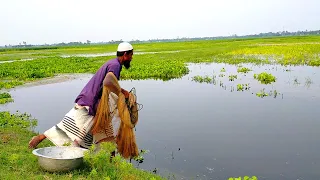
(232, 77)
(5, 98)
(262, 93)
(203, 79)
(243, 70)
(265, 78)
(242, 87)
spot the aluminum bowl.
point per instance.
(59, 159)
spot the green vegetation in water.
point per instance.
(275, 93)
(203, 79)
(221, 75)
(223, 70)
(232, 77)
(242, 87)
(244, 178)
(17, 73)
(9, 84)
(5, 98)
(265, 78)
(18, 162)
(243, 70)
(262, 94)
(164, 66)
(140, 157)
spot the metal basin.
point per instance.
(59, 159)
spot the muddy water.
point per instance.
(208, 131)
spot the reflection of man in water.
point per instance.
(75, 128)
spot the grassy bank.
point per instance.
(18, 162)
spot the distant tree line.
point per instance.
(24, 44)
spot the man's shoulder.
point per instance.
(113, 61)
(113, 64)
(110, 63)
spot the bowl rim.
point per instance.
(35, 152)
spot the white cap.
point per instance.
(124, 46)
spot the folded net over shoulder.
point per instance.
(127, 110)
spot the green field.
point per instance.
(164, 65)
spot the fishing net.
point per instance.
(127, 111)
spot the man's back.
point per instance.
(90, 94)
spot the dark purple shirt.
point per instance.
(91, 93)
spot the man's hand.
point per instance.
(125, 92)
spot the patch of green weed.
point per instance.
(265, 78)
(203, 79)
(243, 70)
(5, 98)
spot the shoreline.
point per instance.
(59, 78)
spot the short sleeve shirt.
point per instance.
(91, 93)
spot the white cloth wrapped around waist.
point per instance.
(77, 123)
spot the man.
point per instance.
(75, 128)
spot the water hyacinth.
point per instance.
(265, 78)
(5, 98)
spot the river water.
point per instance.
(211, 131)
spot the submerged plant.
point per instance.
(223, 70)
(201, 79)
(232, 77)
(275, 93)
(262, 93)
(241, 87)
(265, 78)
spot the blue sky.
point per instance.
(44, 21)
